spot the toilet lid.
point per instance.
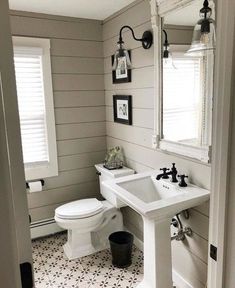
(79, 209)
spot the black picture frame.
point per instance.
(118, 103)
(115, 78)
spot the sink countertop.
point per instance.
(182, 197)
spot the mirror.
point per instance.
(187, 85)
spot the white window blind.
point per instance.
(182, 100)
(30, 91)
(36, 107)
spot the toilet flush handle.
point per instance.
(98, 173)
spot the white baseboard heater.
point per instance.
(44, 228)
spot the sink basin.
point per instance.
(157, 201)
(156, 198)
(148, 189)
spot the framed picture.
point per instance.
(122, 109)
(121, 74)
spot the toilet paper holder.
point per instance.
(41, 180)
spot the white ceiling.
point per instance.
(91, 9)
(187, 16)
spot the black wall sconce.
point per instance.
(147, 41)
(166, 46)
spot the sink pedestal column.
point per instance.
(157, 254)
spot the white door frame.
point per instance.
(15, 242)
(9, 267)
(221, 138)
(221, 121)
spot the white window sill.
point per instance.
(199, 153)
(40, 171)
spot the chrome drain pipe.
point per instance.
(182, 231)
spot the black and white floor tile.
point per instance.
(53, 269)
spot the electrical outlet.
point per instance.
(213, 252)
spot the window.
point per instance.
(36, 109)
(183, 97)
(186, 110)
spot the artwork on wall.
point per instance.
(122, 109)
(122, 74)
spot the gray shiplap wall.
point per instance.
(81, 68)
(77, 68)
(190, 257)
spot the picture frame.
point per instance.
(121, 74)
(122, 109)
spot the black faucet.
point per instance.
(165, 174)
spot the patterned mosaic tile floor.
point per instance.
(53, 269)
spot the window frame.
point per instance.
(203, 153)
(48, 169)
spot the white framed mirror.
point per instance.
(185, 92)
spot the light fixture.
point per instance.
(166, 46)
(204, 32)
(166, 55)
(147, 40)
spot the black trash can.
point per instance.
(121, 243)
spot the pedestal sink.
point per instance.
(157, 201)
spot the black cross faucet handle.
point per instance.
(182, 180)
(164, 170)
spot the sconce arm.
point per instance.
(166, 38)
(133, 34)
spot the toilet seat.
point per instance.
(79, 209)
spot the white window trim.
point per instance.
(202, 153)
(50, 169)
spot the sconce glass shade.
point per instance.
(121, 52)
(204, 33)
(203, 40)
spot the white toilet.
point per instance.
(89, 221)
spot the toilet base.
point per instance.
(77, 253)
(83, 244)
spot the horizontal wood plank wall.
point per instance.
(136, 139)
(77, 68)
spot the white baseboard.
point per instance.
(44, 228)
(178, 280)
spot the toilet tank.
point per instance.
(105, 174)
